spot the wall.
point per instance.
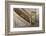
(2, 18)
